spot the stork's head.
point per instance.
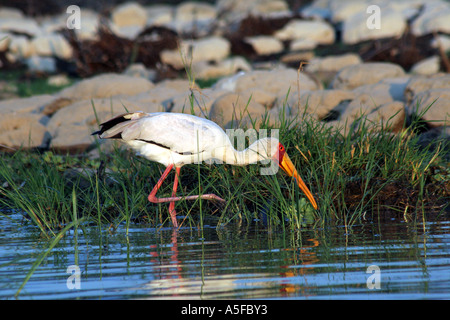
(282, 159)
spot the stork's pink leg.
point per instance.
(152, 196)
(173, 213)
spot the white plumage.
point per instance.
(176, 139)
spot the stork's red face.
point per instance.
(285, 163)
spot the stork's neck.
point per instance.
(257, 151)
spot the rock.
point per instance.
(41, 64)
(71, 127)
(89, 26)
(302, 44)
(439, 113)
(192, 51)
(267, 99)
(332, 63)
(159, 14)
(201, 103)
(25, 25)
(277, 81)
(344, 10)
(397, 87)
(58, 80)
(390, 116)
(379, 92)
(23, 130)
(11, 13)
(229, 109)
(210, 70)
(426, 66)
(128, 32)
(21, 47)
(233, 10)
(129, 14)
(318, 9)
(318, 103)
(433, 18)
(366, 73)
(194, 17)
(318, 31)
(139, 70)
(105, 86)
(33, 104)
(52, 45)
(265, 45)
(441, 40)
(421, 83)
(355, 28)
(363, 105)
(162, 94)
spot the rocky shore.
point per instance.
(134, 57)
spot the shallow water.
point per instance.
(411, 260)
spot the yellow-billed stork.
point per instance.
(176, 139)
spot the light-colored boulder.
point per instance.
(363, 105)
(33, 104)
(318, 31)
(355, 29)
(20, 25)
(52, 45)
(302, 44)
(397, 87)
(365, 73)
(21, 47)
(344, 10)
(434, 18)
(433, 105)
(71, 127)
(200, 103)
(265, 45)
(332, 63)
(390, 116)
(317, 103)
(427, 66)
(277, 81)
(421, 83)
(159, 14)
(23, 130)
(205, 49)
(208, 70)
(140, 71)
(234, 10)
(230, 109)
(129, 14)
(195, 11)
(89, 27)
(11, 13)
(105, 86)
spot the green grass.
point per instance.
(353, 178)
(26, 85)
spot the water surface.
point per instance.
(390, 260)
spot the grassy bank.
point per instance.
(364, 175)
